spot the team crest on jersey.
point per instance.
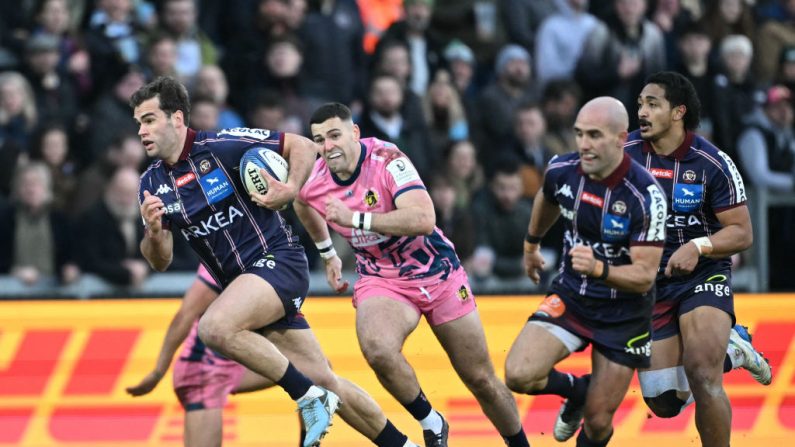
(216, 186)
(615, 228)
(371, 198)
(619, 207)
(689, 176)
(463, 293)
(687, 197)
(204, 166)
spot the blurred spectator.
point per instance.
(694, 64)
(461, 61)
(111, 114)
(773, 36)
(376, 18)
(463, 171)
(179, 19)
(620, 53)
(560, 102)
(333, 35)
(126, 151)
(456, 222)
(786, 71)
(35, 240)
(725, 17)
(113, 40)
(109, 233)
(393, 58)
(51, 146)
(530, 148)
(499, 100)
(478, 23)
(384, 118)
(560, 40)
(161, 57)
(425, 46)
(18, 111)
(269, 112)
(211, 82)
(767, 153)
(444, 113)
(56, 95)
(671, 18)
(203, 114)
(734, 92)
(501, 218)
(54, 18)
(522, 19)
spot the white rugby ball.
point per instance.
(261, 158)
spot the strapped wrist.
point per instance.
(703, 245)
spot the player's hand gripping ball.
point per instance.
(261, 158)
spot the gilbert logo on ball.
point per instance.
(261, 158)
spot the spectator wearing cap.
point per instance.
(560, 40)
(461, 62)
(620, 53)
(767, 156)
(424, 44)
(499, 100)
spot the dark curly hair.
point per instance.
(679, 91)
(173, 96)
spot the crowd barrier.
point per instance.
(64, 366)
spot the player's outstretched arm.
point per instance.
(318, 230)
(157, 245)
(196, 300)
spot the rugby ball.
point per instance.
(261, 158)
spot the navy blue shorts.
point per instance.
(676, 298)
(619, 329)
(287, 271)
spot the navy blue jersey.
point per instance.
(625, 209)
(207, 204)
(700, 181)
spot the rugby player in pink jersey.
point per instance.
(203, 379)
(369, 192)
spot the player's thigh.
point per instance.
(609, 384)
(705, 335)
(204, 428)
(465, 343)
(303, 350)
(248, 302)
(665, 353)
(384, 323)
(535, 352)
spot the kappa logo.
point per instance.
(163, 189)
(297, 302)
(565, 191)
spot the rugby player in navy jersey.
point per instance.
(194, 189)
(614, 217)
(695, 339)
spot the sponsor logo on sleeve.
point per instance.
(260, 134)
(657, 214)
(402, 171)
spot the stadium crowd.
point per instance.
(480, 94)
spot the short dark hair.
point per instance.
(679, 91)
(330, 110)
(172, 94)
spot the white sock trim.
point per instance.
(432, 422)
(655, 382)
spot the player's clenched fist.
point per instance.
(582, 260)
(152, 209)
(337, 212)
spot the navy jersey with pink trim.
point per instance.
(700, 181)
(626, 209)
(207, 204)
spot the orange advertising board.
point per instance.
(64, 366)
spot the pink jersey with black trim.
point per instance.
(382, 174)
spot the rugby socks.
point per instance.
(734, 359)
(583, 441)
(390, 436)
(517, 440)
(296, 384)
(566, 385)
(422, 411)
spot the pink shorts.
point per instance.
(207, 278)
(439, 302)
(202, 378)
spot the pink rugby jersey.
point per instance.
(382, 174)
